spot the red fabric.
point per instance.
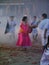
(23, 38)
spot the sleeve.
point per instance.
(47, 26)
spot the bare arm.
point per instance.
(33, 26)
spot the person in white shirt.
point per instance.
(42, 28)
(45, 57)
(46, 32)
(12, 24)
(11, 28)
(34, 31)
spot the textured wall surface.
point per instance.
(27, 7)
(34, 7)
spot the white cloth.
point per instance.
(42, 28)
(47, 27)
(45, 58)
(12, 25)
(44, 41)
(43, 23)
(34, 32)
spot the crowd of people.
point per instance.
(24, 40)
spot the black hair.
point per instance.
(11, 16)
(24, 18)
(47, 43)
(34, 16)
(44, 15)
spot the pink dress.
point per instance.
(23, 36)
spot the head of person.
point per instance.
(34, 18)
(11, 18)
(25, 19)
(44, 16)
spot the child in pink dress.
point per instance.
(23, 36)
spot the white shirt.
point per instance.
(42, 27)
(43, 23)
(45, 58)
(12, 25)
(34, 29)
(47, 27)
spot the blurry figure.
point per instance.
(45, 57)
(23, 35)
(46, 31)
(34, 31)
(41, 26)
(10, 28)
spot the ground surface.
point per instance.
(12, 56)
